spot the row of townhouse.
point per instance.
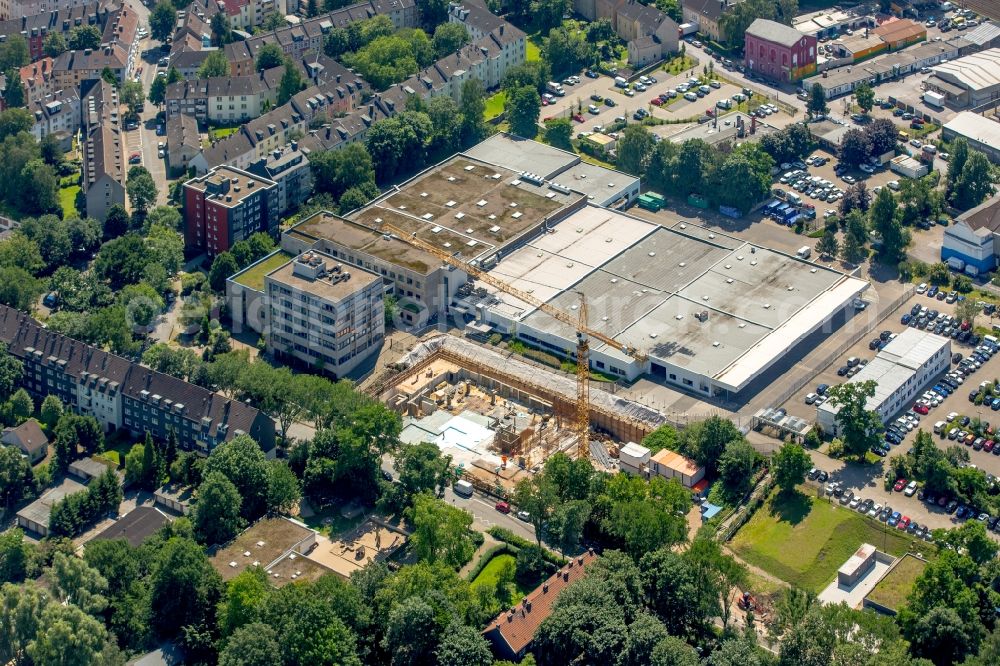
(257, 138)
(118, 51)
(124, 395)
(308, 35)
(16, 9)
(649, 34)
(36, 27)
(105, 162)
(247, 14)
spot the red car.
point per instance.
(900, 484)
(656, 101)
(578, 118)
(903, 523)
(988, 446)
(503, 507)
(921, 409)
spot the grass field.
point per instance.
(892, 590)
(217, 133)
(67, 198)
(804, 540)
(488, 576)
(494, 105)
(254, 276)
(532, 51)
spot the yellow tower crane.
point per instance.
(583, 331)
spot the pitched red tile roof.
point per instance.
(515, 628)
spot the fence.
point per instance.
(797, 384)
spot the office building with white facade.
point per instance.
(901, 372)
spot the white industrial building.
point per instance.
(975, 236)
(710, 312)
(901, 371)
(971, 80)
(982, 133)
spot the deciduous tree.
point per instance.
(789, 466)
(857, 426)
(162, 21)
(523, 107)
(217, 513)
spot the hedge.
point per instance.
(505, 535)
(490, 553)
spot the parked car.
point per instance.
(503, 507)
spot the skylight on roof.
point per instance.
(481, 203)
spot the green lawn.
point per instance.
(804, 540)
(494, 105)
(532, 51)
(253, 277)
(892, 590)
(67, 198)
(488, 576)
(216, 133)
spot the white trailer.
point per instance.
(934, 99)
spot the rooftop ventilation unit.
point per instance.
(532, 178)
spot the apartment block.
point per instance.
(324, 314)
(35, 24)
(105, 167)
(57, 113)
(226, 206)
(118, 52)
(224, 99)
(288, 168)
(122, 394)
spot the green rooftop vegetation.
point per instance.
(253, 277)
(891, 591)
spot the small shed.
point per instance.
(29, 438)
(860, 563)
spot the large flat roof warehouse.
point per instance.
(711, 311)
(976, 71)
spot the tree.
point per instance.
(941, 636)
(11, 372)
(66, 630)
(84, 37)
(852, 251)
(523, 107)
(141, 189)
(116, 224)
(567, 51)
(215, 65)
(122, 261)
(817, 100)
(253, 645)
(959, 156)
(670, 588)
(736, 466)
(223, 266)
(882, 135)
(399, 143)
(21, 406)
(854, 148)
(291, 83)
(54, 45)
(705, 441)
(283, 490)
(827, 245)
(449, 38)
(183, 587)
(242, 461)
(16, 480)
(422, 468)
(15, 555)
(865, 96)
(971, 538)
(746, 178)
(51, 151)
(14, 96)
(975, 182)
(672, 651)
(664, 437)
(50, 411)
(269, 56)
(538, 496)
(856, 197)
(634, 148)
(39, 188)
(885, 224)
(222, 31)
(559, 133)
(789, 466)
(472, 107)
(162, 21)
(462, 645)
(857, 426)
(73, 580)
(440, 531)
(18, 288)
(217, 512)
(15, 121)
(132, 95)
(158, 90)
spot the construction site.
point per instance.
(499, 416)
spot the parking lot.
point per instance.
(867, 480)
(580, 96)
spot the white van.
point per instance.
(794, 198)
(939, 427)
(463, 488)
(621, 82)
(992, 340)
(804, 252)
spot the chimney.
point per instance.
(545, 587)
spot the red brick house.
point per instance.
(777, 52)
